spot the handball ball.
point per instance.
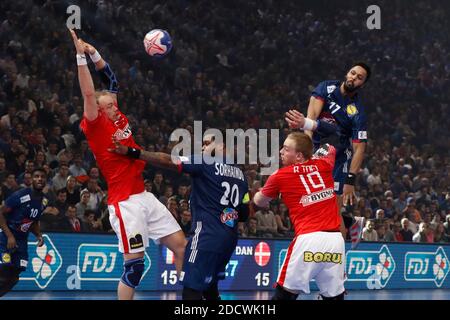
(157, 43)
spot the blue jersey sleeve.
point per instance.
(320, 92)
(13, 201)
(359, 130)
(192, 165)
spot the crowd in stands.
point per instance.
(234, 65)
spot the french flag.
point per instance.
(170, 259)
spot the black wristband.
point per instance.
(133, 152)
(350, 179)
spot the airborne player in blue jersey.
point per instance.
(335, 109)
(218, 201)
(19, 216)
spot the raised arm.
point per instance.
(85, 79)
(297, 120)
(103, 69)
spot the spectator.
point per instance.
(389, 234)
(267, 223)
(94, 174)
(92, 223)
(27, 180)
(168, 192)
(369, 233)
(59, 181)
(182, 192)
(9, 186)
(405, 233)
(283, 222)
(425, 234)
(447, 226)
(82, 206)
(400, 202)
(379, 217)
(158, 184)
(76, 169)
(29, 167)
(439, 234)
(172, 206)
(381, 232)
(252, 228)
(97, 195)
(71, 223)
(104, 217)
(185, 221)
(148, 188)
(72, 190)
(3, 171)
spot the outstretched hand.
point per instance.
(88, 48)
(78, 43)
(118, 148)
(295, 119)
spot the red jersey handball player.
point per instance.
(317, 251)
(135, 215)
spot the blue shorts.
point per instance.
(341, 169)
(17, 257)
(203, 268)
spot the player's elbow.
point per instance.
(260, 200)
(88, 94)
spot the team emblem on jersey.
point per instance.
(122, 134)
(362, 135)
(44, 202)
(25, 198)
(6, 258)
(25, 225)
(136, 242)
(228, 217)
(330, 89)
(351, 110)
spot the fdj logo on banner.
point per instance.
(102, 262)
(45, 263)
(427, 266)
(373, 267)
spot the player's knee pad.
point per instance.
(9, 276)
(132, 273)
(191, 294)
(212, 293)
(282, 294)
(338, 297)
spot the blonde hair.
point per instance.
(101, 93)
(303, 144)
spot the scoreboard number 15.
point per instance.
(262, 279)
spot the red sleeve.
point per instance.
(271, 189)
(87, 125)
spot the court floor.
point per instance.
(416, 294)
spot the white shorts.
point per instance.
(316, 255)
(138, 218)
